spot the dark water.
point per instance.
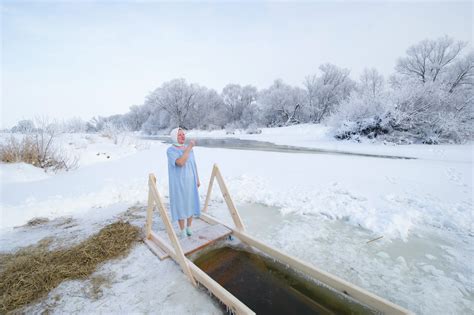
(239, 144)
(268, 287)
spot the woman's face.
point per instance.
(181, 136)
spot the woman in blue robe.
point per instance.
(183, 182)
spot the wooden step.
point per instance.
(206, 235)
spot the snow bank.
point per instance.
(21, 172)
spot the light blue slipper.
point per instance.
(188, 231)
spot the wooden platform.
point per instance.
(203, 234)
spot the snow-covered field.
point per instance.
(322, 208)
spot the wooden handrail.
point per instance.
(178, 254)
(226, 195)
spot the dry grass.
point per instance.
(24, 150)
(38, 150)
(32, 272)
(97, 283)
(136, 212)
(37, 221)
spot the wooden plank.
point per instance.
(209, 189)
(179, 256)
(230, 204)
(335, 282)
(201, 238)
(156, 249)
(211, 220)
(149, 215)
(163, 244)
(234, 304)
(205, 237)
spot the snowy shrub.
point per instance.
(358, 107)
(367, 127)
(96, 124)
(74, 125)
(113, 132)
(253, 130)
(212, 127)
(366, 112)
(230, 128)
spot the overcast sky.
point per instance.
(82, 59)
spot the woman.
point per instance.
(183, 181)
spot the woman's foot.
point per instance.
(188, 231)
(183, 233)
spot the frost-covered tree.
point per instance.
(310, 84)
(371, 83)
(158, 120)
(177, 103)
(24, 126)
(239, 103)
(429, 59)
(368, 99)
(461, 75)
(177, 98)
(281, 104)
(433, 85)
(117, 121)
(430, 113)
(209, 112)
(136, 117)
(325, 92)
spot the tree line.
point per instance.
(427, 99)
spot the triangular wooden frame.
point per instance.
(216, 173)
(196, 275)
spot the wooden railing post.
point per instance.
(178, 251)
(230, 204)
(149, 214)
(209, 189)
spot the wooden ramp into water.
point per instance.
(204, 234)
(208, 230)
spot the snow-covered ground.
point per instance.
(322, 208)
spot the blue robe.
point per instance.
(184, 196)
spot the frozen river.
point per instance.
(255, 145)
(429, 262)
